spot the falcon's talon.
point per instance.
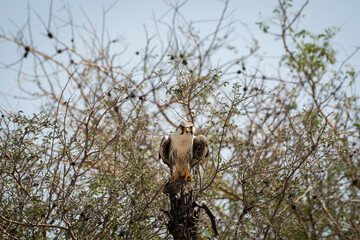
(175, 177)
(187, 175)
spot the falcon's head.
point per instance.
(186, 127)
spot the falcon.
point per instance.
(182, 150)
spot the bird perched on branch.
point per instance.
(182, 150)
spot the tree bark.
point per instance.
(184, 218)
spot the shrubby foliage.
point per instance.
(284, 148)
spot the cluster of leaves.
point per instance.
(51, 184)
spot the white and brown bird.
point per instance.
(182, 150)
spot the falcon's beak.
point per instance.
(187, 130)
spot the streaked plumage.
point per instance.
(181, 151)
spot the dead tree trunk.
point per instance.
(185, 211)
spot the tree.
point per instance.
(284, 155)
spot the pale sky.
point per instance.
(127, 20)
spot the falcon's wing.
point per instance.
(164, 152)
(200, 149)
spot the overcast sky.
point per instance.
(127, 20)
